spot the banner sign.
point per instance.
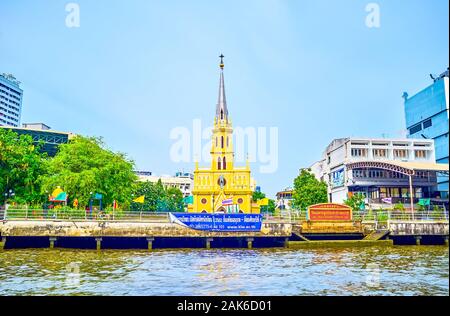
(329, 212)
(219, 222)
(338, 178)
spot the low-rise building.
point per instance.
(284, 199)
(182, 180)
(42, 132)
(381, 169)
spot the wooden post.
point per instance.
(418, 238)
(150, 243)
(208, 243)
(286, 242)
(52, 242)
(249, 243)
(99, 243)
(2, 243)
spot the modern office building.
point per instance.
(10, 100)
(427, 117)
(182, 180)
(41, 132)
(380, 169)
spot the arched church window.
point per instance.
(221, 114)
(228, 141)
(219, 164)
(221, 139)
(224, 163)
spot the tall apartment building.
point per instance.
(10, 100)
(427, 117)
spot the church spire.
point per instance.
(222, 109)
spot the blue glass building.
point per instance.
(427, 116)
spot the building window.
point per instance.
(400, 153)
(379, 153)
(224, 163)
(420, 154)
(228, 141)
(358, 152)
(395, 192)
(221, 114)
(204, 201)
(415, 129)
(219, 164)
(221, 141)
(240, 201)
(427, 123)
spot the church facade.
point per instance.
(223, 187)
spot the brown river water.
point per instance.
(398, 270)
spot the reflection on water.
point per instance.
(407, 270)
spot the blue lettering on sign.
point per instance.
(219, 222)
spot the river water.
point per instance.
(400, 270)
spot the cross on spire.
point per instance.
(221, 60)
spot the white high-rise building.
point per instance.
(10, 100)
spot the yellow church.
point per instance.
(223, 188)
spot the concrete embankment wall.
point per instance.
(127, 229)
(418, 228)
(133, 235)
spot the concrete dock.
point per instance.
(151, 235)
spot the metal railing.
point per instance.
(82, 215)
(291, 216)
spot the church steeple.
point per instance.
(222, 109)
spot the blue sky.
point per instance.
(134, 70)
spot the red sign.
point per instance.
(329, 212)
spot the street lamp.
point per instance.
(8, 194)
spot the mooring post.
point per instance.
(249, 243)
(150, 243)
(208, 243)
(286, 242)
(99, 243)
(418, 238)
(446, 241)
(52, 242)
(2, 243)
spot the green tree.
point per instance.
(308, 190)
(21, 163)
(84, 165)
(271, 207)
(174, 200)
(158, 198)
(258, 195)
(356, 201)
